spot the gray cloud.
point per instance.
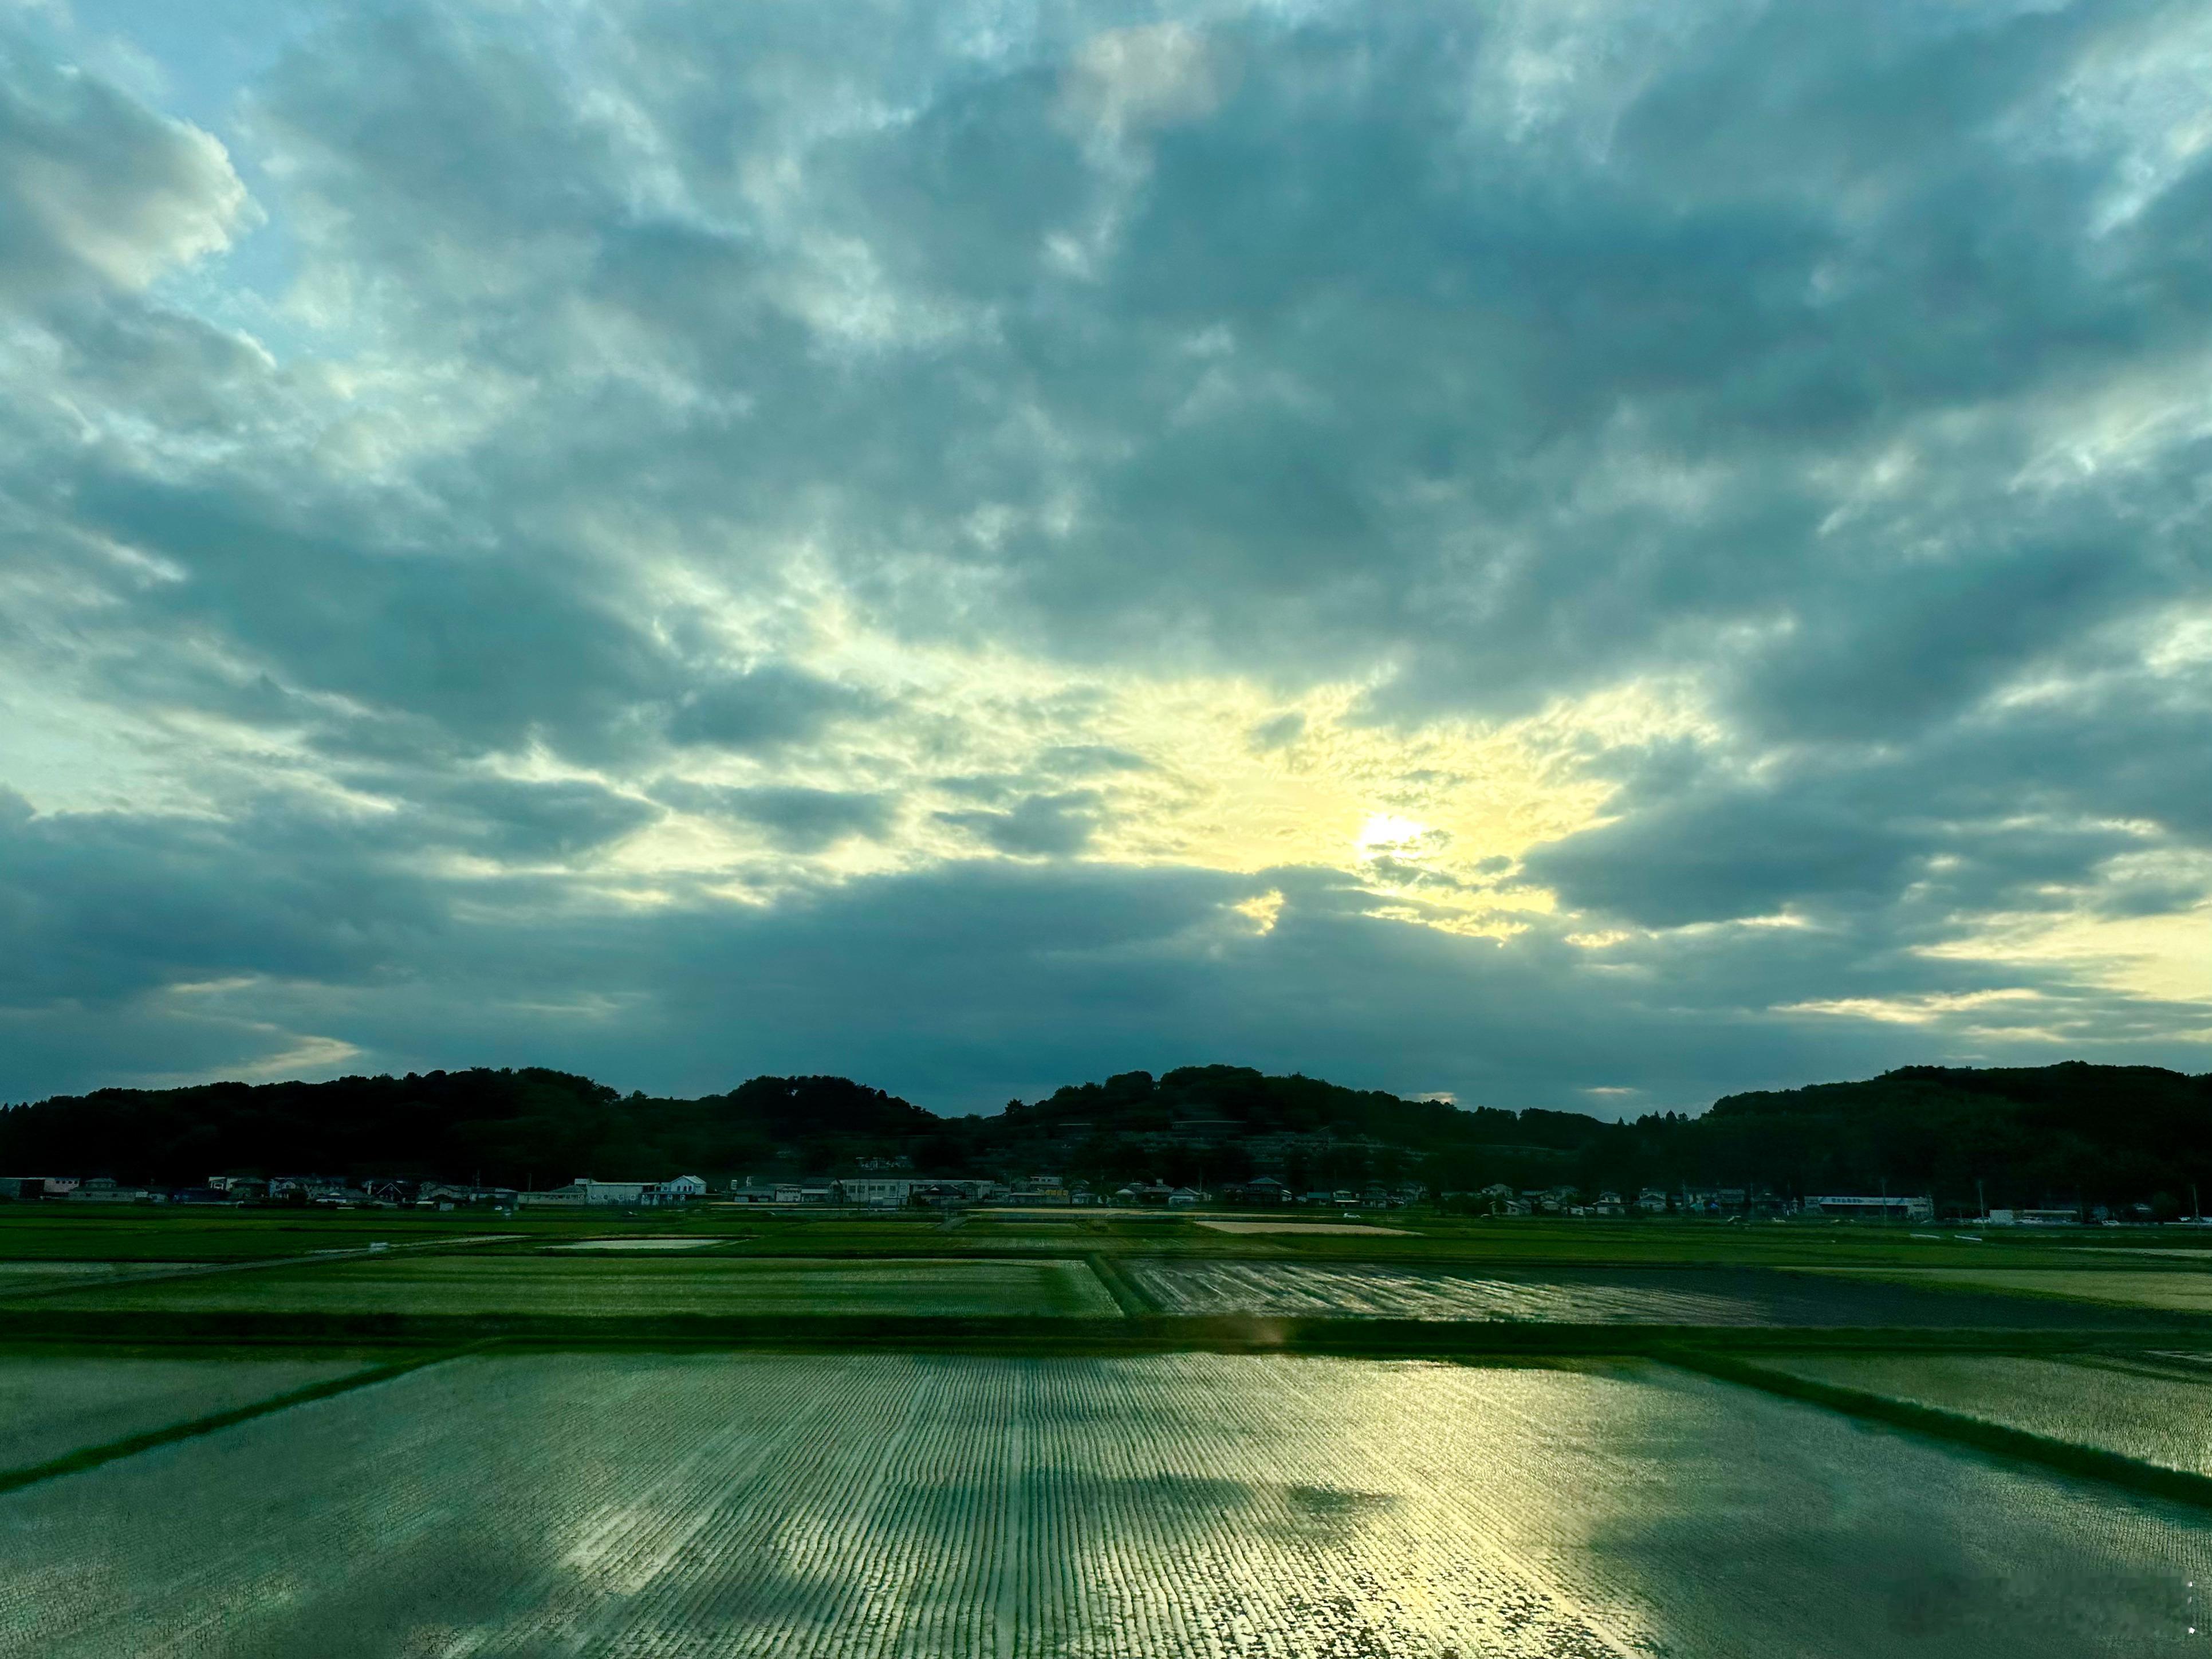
(95, 188)
(799, 819)
(1039, 826)
(978, 982)
(1835, 374)
(771, 705)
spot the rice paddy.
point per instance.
(639, 1246)
(51, 1406)
(2131, 1410)
(33, 1278)
(1111, 1495)
(1657, 1295)
(1308, 1228)
(2172, 1290)
(631, 1286)
(1181, 1504)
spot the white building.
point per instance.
(584, 1190)
(1862, 1208)
(876, 1192)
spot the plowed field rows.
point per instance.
(1186, 1504)
(1653, 1295)
(2139, 1413)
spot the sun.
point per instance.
(1386, 831)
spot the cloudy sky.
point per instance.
(1569, 553)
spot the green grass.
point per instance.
(627, 1286)
(1184, 1505)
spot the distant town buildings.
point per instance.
(628, 1195)
(1862, 1208)
(885, 1185)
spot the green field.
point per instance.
(632, 1286)
(1710, 1297)
(51, 1406)
(37, 1278)
(1173, 1482)
(2185, 1289)
(2134, 1411)
(101, 1232)
(1184, 1505)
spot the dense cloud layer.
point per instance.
(1581, 556)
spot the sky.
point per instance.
(1560, 554)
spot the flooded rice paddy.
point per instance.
(2154, 1412)
(621, 1285)
(641, 1246)
(1654, 1296)
(50, 1408)
(947, 1508)
(2172, 1290)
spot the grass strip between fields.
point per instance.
(90, 1457)
(2087, 1463)
(1146, 1333)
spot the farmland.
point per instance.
(1172, 1505)
(310, 1434)
(116, 1233)
(622, 1285)
(28, 1277)
(1696, 1297)
(2138, 1410)
(2185, 1290)
(51, 1406)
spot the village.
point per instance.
(876, 1190)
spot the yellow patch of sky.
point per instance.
(1214, 772)
(1913, 1010)
(2166, 955)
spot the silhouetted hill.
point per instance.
(2030, 1136)
(508, 1127)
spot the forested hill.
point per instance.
(2046, 1131)
(2055, 1133)
(526, 1128)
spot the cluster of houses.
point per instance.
(884, 1192)
(882, 1189)
(1502, 1199)
(332, 1192)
